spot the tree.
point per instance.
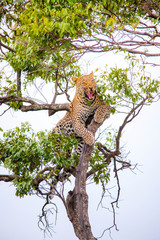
(43, 41)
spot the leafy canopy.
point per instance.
(32, 156)
(47, 36)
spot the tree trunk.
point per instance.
(77, 200)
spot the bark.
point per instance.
(77, 200)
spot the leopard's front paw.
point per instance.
(98, 118)
(89, 138)
(102, 113)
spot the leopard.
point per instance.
(85, 106)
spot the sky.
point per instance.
(138, 214)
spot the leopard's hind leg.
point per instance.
(80, 145)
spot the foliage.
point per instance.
(26, 153)
(124, 87)
(100, 167)
(46, 38)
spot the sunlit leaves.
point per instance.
(99, 167)
(43, 34)
(122, 87)
(25, 153)
(41, 37)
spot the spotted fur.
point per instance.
(85, 105)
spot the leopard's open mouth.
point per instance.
(89, 95)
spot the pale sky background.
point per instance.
(138, 215)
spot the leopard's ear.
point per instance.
(91, 74)
(74, 79)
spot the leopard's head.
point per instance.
(86, 86)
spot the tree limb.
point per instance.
(7, 47)
(8, 178)
(55, 107)
(34, 106)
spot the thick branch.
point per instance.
(34, 106)
(55, 107)
(77, 201)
